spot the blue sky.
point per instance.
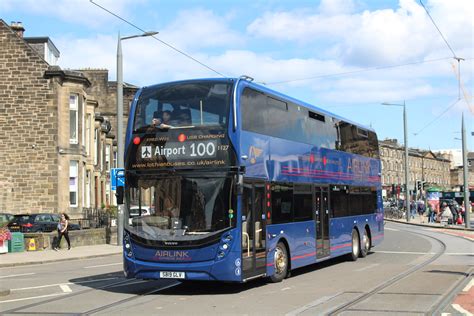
(276, 41)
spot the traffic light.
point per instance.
(419, 185)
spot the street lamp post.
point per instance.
(467, 205)
(120, 141)
(407, 192)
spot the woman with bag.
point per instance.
(63, 227)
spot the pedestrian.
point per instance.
(430, 214)
(63, 228)
(413, 209)
(446, 215)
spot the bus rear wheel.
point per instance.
(365, 244)
(280, 263)
(355, 246)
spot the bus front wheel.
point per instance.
(280, 263)
(355, 246)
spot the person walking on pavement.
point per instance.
(446, 215)
(63, 227)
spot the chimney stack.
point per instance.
(18, 28)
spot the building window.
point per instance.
(73, 109)
(88, 134)
(96, 147)
(107, 158)
(73, 166)
(83, 121)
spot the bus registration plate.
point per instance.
(172, 275)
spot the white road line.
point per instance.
(59, 284)
(317, 302)
(459, 253)
(31, 298)
(15, 275)
(406, 252)
(65, 288)
(392, 229)
(104, 265)
(468, 286)
(368, 267)
(461, 310)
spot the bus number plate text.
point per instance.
(172, 275)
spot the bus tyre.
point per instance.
(280, 263)
(365, 244)
(355, 246)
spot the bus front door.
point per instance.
(321, 205)
(253, 230)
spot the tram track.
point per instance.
(397, 278)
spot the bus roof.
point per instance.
(265, 89)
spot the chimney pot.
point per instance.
(18, 28)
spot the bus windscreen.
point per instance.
(183, 105)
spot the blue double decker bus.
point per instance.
(228, 180)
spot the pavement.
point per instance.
(46, 256)
(423, 221)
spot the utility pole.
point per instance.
(467, 205)
(120, 142)
(407, 191)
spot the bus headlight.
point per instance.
(220, 254)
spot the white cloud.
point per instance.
(199, 28)
(373, 37)
(82, 12)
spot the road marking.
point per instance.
(406, 252)
(59, 284)
(104, 265)
(315, 303)
(286, 289)
(368, 267)
(392, 229)
(65, 288)
(31, 298)
(468, 286)
(15, 275)
(458, 254)
(461, 310)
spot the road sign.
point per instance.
(117, 178)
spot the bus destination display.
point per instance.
(180, 150)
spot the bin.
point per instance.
(16, 244)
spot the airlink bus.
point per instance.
(228, 180)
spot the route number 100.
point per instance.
(203, 149)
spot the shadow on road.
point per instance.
(116, 283)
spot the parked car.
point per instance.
(5, 218)
(37, 223)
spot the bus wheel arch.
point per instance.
(281, 258)
(365, 242)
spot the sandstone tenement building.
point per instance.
(56, 134)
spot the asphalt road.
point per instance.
(414, 271)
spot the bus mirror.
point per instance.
(119, 195)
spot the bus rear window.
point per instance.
(181, 105)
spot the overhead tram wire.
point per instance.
(449, 46)
(439, 31)
(436, 118)
(159, 40)
(358, 71)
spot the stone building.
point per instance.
(56, 151)
(423, 165)
(457, 175)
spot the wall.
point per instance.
(28, 133)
